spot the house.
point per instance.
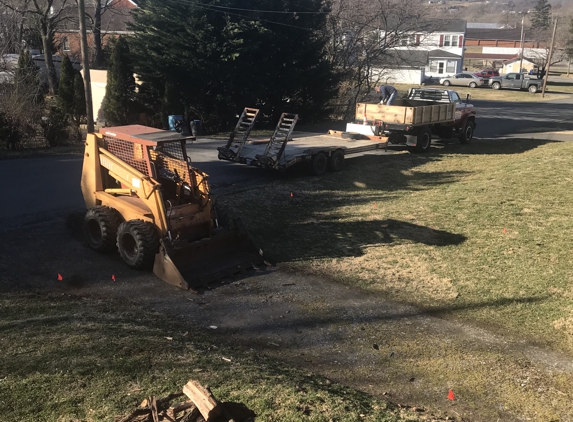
(491, 46)
(441, 42)
(516, 63)
(115, 19)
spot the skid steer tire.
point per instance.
(137, 242)
(100, 228)
(336, 161)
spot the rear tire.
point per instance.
(532, 89)
(467, 132)
(336, 161)
(424, 140)
(100, 228)
(137, 242)
(319, 164)
(447, 83)
(496, 85)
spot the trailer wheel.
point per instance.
(496, 85)
(532, 89)
(137, 242)
(336, 161)
(100, 228)
(467, 132)
(319, 164)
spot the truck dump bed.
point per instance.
(406, 112)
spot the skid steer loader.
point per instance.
(145, 199)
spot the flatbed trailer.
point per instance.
(284, 150)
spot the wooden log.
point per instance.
(203, 399)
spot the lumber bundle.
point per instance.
(195, 404)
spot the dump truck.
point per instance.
(147, 201)
(412, 121)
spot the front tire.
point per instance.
(137, 242)
(496, 85)
(100, 228)
(467, 132)
(473, 85)
(532, 89)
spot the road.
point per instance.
(36, 189)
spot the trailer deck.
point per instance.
(304, 145)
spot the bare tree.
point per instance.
(43, 16)
(365, 36)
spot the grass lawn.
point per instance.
(70, 359)
(480, 233)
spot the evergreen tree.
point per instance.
(27, 78)
(118, 103)
(541, 18)
(79, 97)
(209, 65)
(66, 87)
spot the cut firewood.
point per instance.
(203, 399)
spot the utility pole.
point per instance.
(521, 60)
(549, 59)
(86, 65)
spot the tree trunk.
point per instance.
(98, 59)
(52, 75)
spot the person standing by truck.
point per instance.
(388, 94)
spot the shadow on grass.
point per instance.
(350, 239)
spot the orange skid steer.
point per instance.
(146, 200)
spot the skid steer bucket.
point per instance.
(192, 265)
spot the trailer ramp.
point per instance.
(277, 144)
(237, 139)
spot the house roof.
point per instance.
(489, 56)
(406, 58)
(496, 34)
(441, 54)
(433, 25)
(516, 59)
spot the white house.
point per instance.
(442, 41)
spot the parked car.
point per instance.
(487, 73)
(462, 79)
(516, 81)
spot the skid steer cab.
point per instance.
(145, 200)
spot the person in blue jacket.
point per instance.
(388, 94)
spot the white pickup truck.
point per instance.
(414, 120)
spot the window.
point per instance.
(451, 66)
(65, 44)
(433, 66)
(454, 40)
(455, 98)
(447, 40)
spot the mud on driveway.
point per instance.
(352, 337)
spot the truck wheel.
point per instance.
(532, 89)
(137, 242)
(319, 164)
(447, 83)
(467, 132)
(100, 228)
(473, 84)
(424, 140)
(496, 85)
(336, 161)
